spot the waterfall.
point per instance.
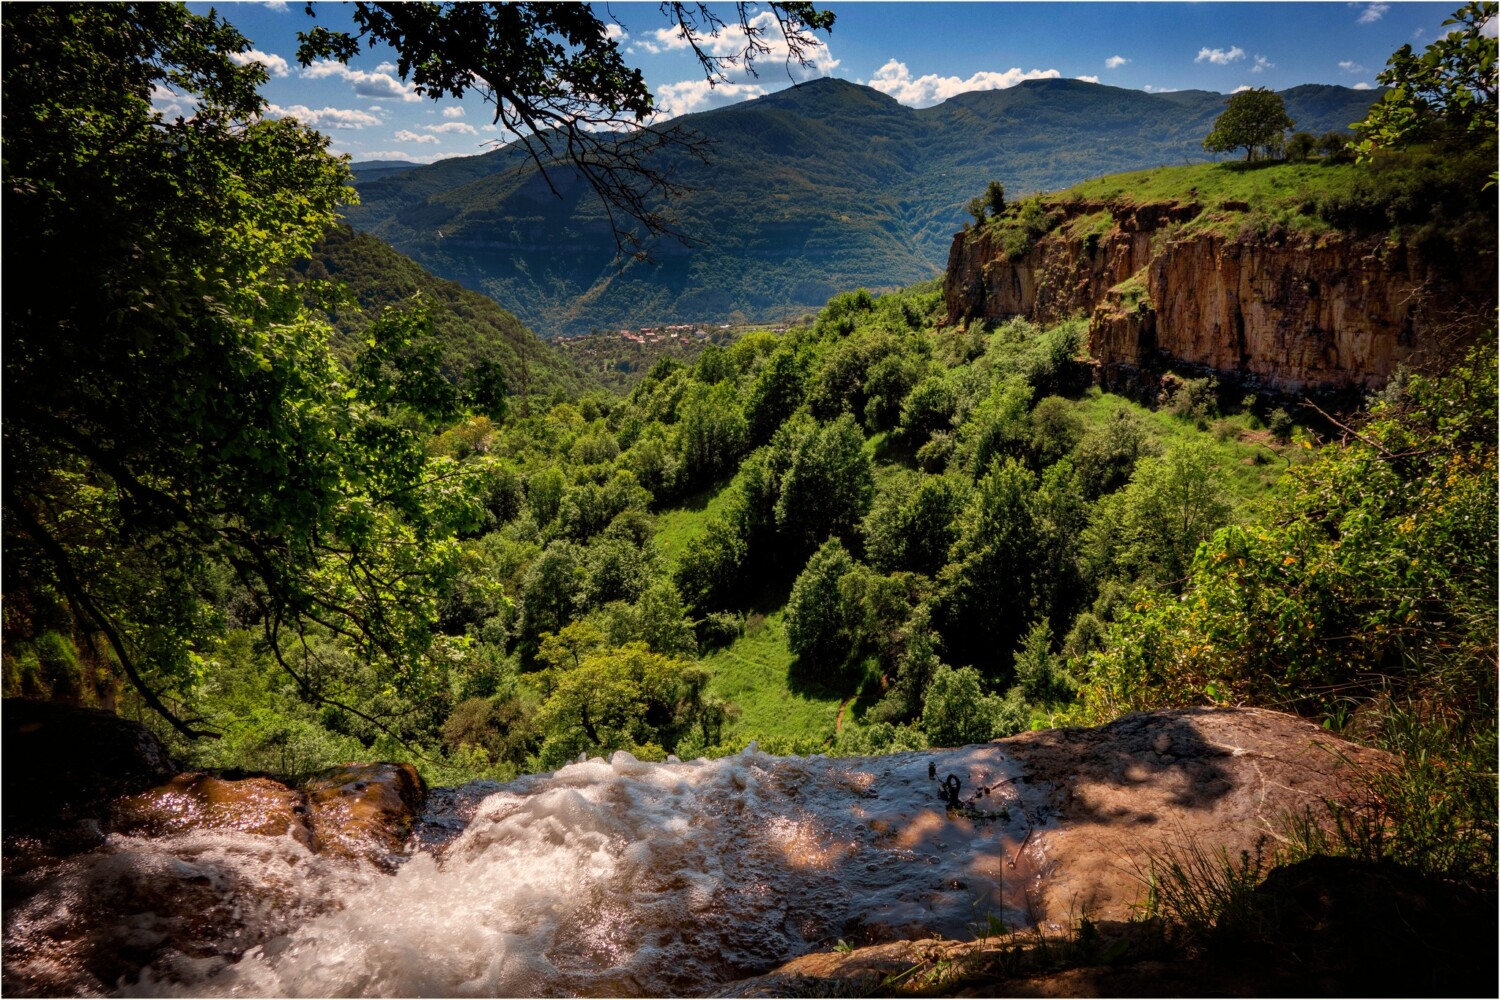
(606, 877)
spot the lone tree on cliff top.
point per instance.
(1253, 119)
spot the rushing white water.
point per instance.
(605, 878)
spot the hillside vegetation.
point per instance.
(468, 327)
(810, 191)
(875, 531)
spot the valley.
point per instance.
(808, 192)
(1004, 552)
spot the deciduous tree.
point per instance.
(1446, 93)
(1252, 120)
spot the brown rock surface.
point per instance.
(195, 801)
(1325, 926)
(1105, 800)
(365, 811)
(1287, 312)
(64, 764)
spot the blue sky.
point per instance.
(919, 53)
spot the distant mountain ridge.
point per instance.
(811, 190)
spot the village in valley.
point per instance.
(618, 359)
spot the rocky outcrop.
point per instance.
(65, 764)
(195, 801)
(1325, 926)
(1280, 311)
(624, 877)
(365, 811)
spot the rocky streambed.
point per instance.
(621, 877)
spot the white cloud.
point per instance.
(731, 42)
(410, 156)
(1087, 79)
(613, 30)
(279, 6)
(1373, 12)
(491, 127)
(1220, 57)
(386, 67)
(1115, 62)
(1241, 88)
(673, 99)
(406, 135)
(380, 86)
(324, 117)
(274, 64)
(1363, 86)
(1159, 90)
(168, 103)
(1262, 64)
(450, 127)
(896, 80)
(1490, 28)
(453, 112)
(1350, 66)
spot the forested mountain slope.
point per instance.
(809, 191)
(470, 327)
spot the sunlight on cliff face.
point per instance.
(616, 877)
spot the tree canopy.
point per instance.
(1446, 93)
(1252, 120)
(176, 429)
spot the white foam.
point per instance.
(618, 877)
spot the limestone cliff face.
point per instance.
(1283, 312)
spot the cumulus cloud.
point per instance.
(279, 6)
(453, 112)
(731, 42)
(168, 103)
(1350, 66)
(380, 86)
(1372, 12)
(613, 30)
(1115, 62)
(896, 80)
(673, 99)
(461, 128)
(1262, 64)
(1087, 79)
(410, 156)
(324, 117)
(406, 135)
(1241, 88)
(1158, 90)
(1220, 57)
(274, 64)
(1363, 86)
(385, 67)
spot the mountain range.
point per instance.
(810, 191)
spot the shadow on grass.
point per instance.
(1245, 166)
(700, 500)
(814, 678)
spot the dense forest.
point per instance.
(288, 536)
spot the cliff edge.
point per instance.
(1277, 301)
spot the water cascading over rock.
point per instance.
(630, 878)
